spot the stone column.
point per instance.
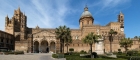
(57, 46)
(33, 46)
(39, 47)
(49, 46)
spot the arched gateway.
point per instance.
(44, 42)
(44, 47)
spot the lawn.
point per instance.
(77, 57)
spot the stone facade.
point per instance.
(6, 41)
(43, 39)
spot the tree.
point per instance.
(136, 37)
(68, 39)
(111, 33)
(126, 42)
(90, 39)
(62, 33)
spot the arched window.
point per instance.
(78, 44)
(88, 22)
(76, 37)
(121, 20)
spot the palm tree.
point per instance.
(90, 39)
(62, 33)
(111, 33)
(68, 38)
(126, 42)
(68, 41)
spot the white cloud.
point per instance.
(46, 14)
(109, 5)
(51, 13)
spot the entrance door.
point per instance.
(44, 47)
(36, 47)
(52, 47)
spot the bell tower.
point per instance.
(121, 21)
(23, 27)
(17, 24)
(86, 18)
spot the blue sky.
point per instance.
(53, 13)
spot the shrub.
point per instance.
(71, 49)
(3, 51)
(119, 53)
(83, 52)
(60, 55)
(132, 53)
(122, 56)
(75, 53)
(95, 54)
(106, 57)
(11, 52)
(67, 53)
(119, 50)
(54, 55)
(19, 52)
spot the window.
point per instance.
(73, 44)
(82, 23)
(7, 41)
(78, 44)
(76, 37)
(1, 40)
(121, 16)
(88, 22)
(121, 20)
(11, 41)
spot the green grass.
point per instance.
(77, 57)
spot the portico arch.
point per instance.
(52, 46)
(36, 47)
(44, 48)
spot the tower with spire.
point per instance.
(16, 24)
(121, 21)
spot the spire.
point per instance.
(37, 27)
(121, 13)
(18, 9)
(24, 14)
(86, 8)
(7, 16)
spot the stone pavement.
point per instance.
(29, 56)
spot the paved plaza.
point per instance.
(29, 56)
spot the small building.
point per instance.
(7, 41)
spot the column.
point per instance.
(33, 47)
(39, 47)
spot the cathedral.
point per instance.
(43, 39)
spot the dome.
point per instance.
(86, 13)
